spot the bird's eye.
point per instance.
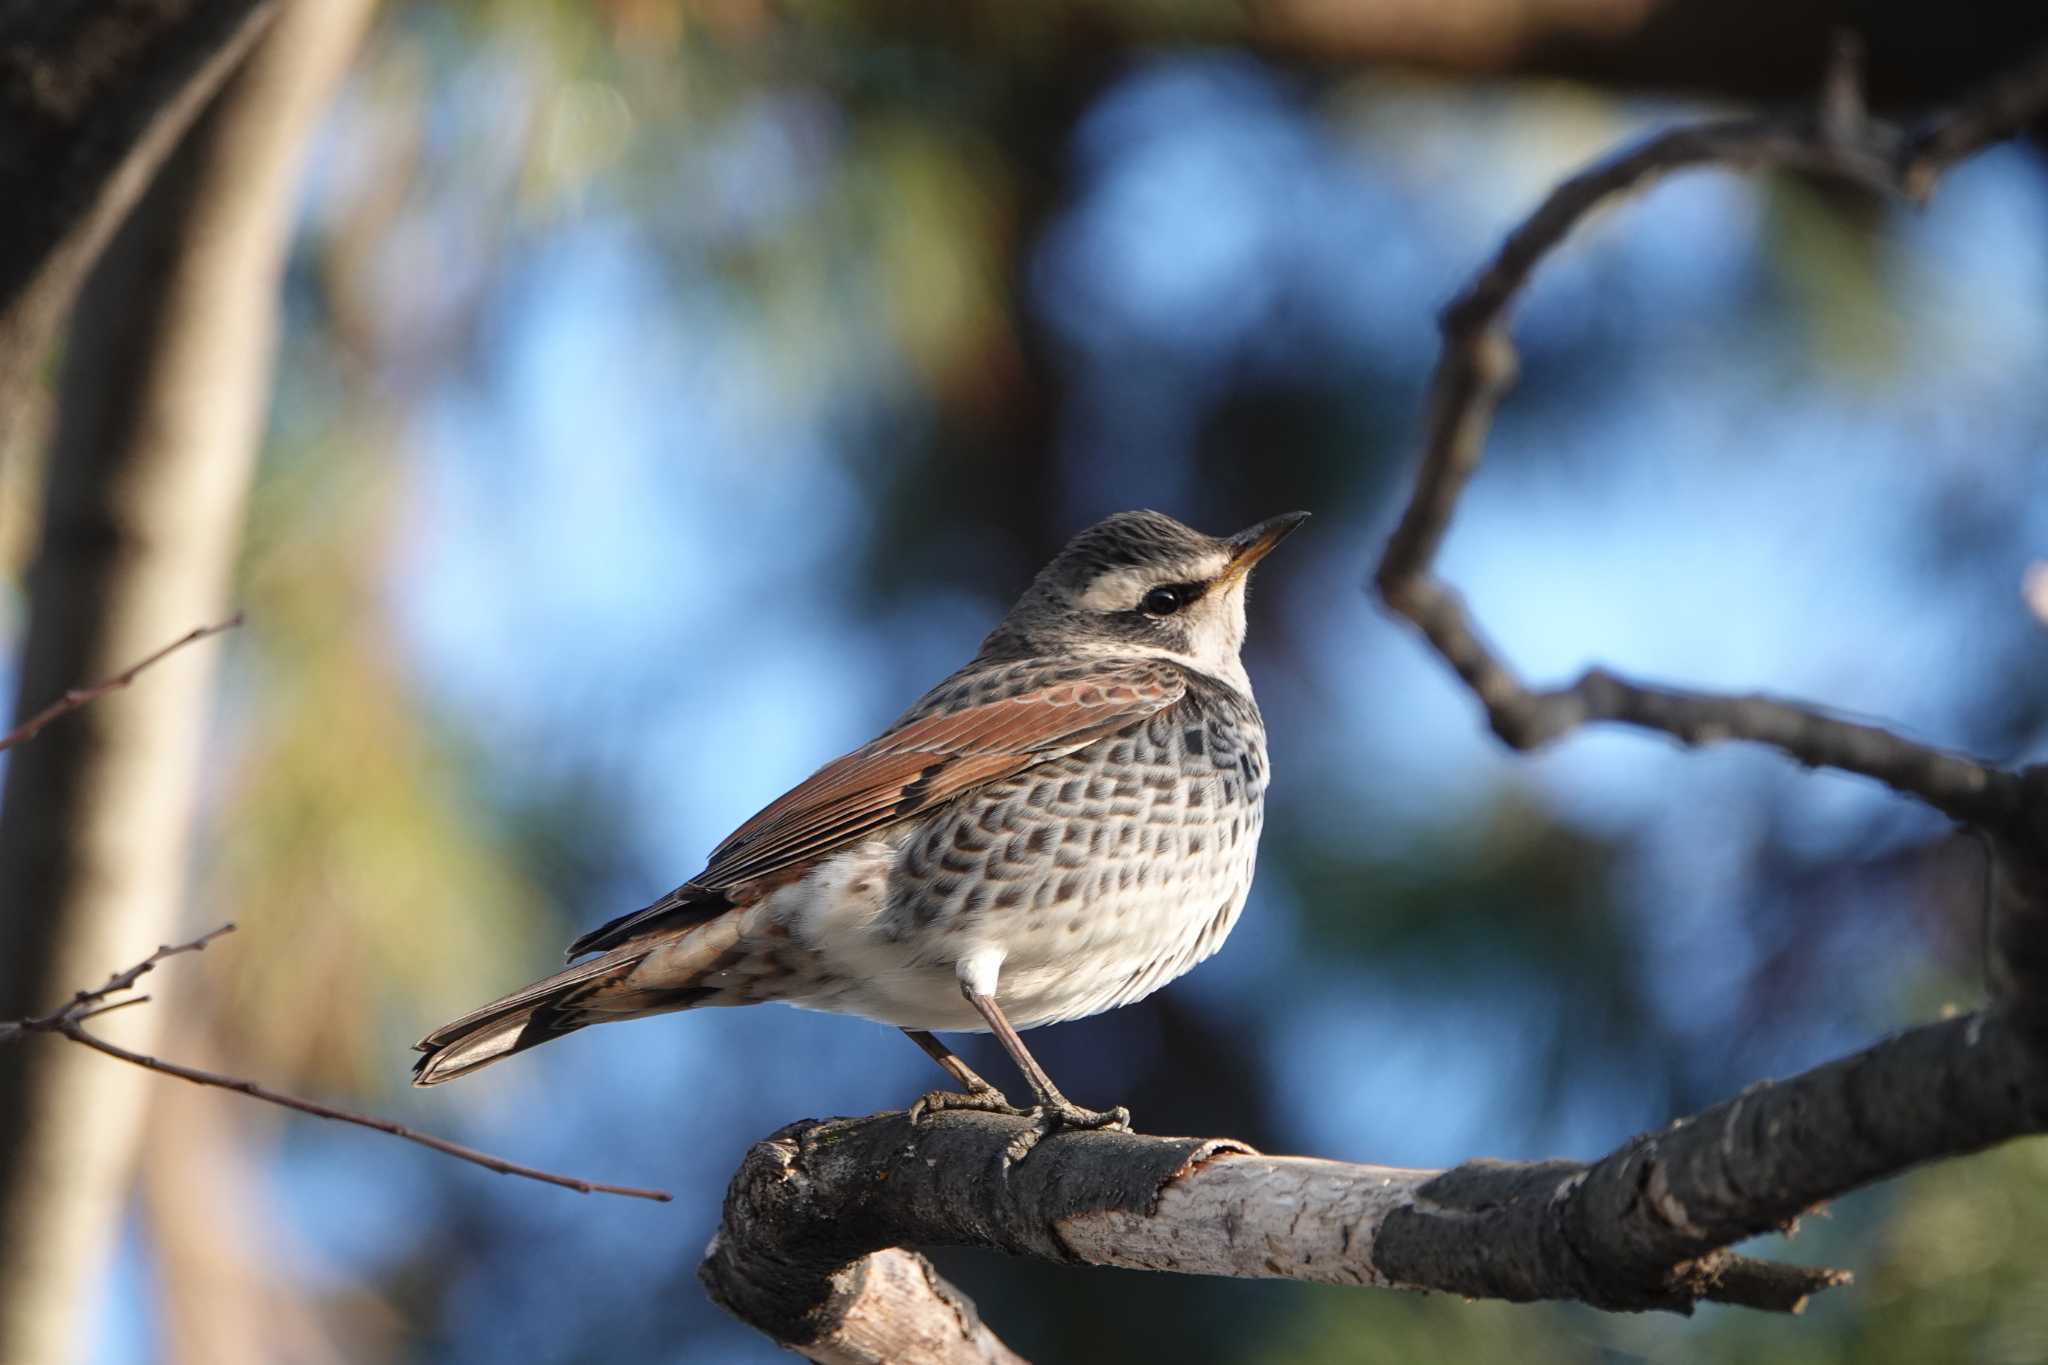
(1162, 602)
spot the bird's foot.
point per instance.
(1066, 1114)
(985, 1099)
(1060, 1116)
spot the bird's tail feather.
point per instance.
(613, 986)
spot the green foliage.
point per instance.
(1337, 1326)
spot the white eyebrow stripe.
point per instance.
(1120, 589)
(1116, 590)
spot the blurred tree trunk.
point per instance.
(163, 396)
(221, 1296)
(1752, 49)
(91, 102)
(1917, 53)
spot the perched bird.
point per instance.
(1061, 827)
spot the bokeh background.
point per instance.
(668, 395)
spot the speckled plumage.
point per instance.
(1099, 876)
(1059, 828)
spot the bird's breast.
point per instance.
(1099, 876)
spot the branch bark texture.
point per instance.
(1643, 1228)
(1646, 1227)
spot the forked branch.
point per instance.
(1477, 367)
(69, 1020)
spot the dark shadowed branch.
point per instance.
(1477, 368)
(69, 1022)
(811, 1249)
(92, 99)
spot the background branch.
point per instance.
(69, 1022)
(81, 696)
(1477, 367)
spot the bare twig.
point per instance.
(69, 1022)
(82, 696)
(1996, 112)
(77, 1034)
(1478, 366)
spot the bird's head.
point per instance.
(1142, 583)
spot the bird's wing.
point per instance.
(924, 763)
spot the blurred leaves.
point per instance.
(1957, 1273)
(946, 237)
(1333, 1326)
(1828, 251)
(350, 847)
(1513, 886)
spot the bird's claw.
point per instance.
(1067, 1114)
(984, 1101)
(1046, 1119)
(1063, 1116)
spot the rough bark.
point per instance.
(162, 400)
(1648, 1227)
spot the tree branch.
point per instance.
(1477, 368)
(69, 1022)
(808, 1250)
(82, 696)
(1646, 1227)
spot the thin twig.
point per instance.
(81, 696)
(77, 1034)
(1477, 367)
(125, 979)
(1991, 115)
(129, 1003)
(69, 1022)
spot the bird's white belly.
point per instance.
(1065, 949)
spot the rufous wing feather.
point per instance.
(929, 761)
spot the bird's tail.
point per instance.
(651, 976)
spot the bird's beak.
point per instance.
(1254, 543)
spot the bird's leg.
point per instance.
(1055, 1107)
(979, 1094)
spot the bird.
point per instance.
(1059, 828)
